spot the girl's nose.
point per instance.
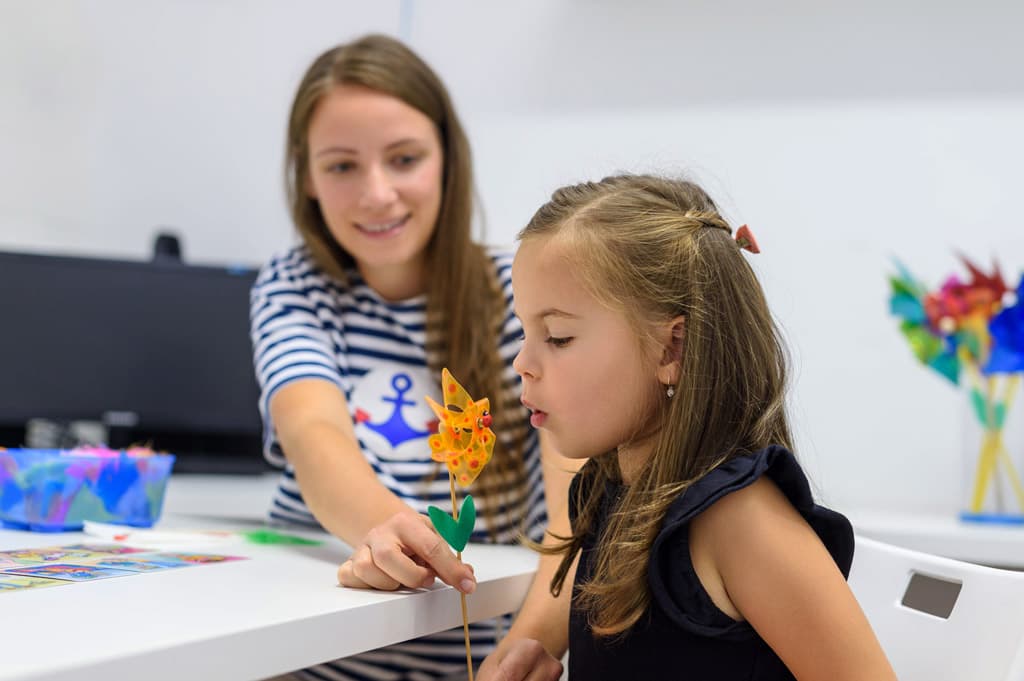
(522, 365)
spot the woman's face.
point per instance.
(376, 167)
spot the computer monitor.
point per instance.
(157, 352)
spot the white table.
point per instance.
(982, 543)
(278, 611)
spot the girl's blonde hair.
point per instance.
(464, 302)
(656, 249)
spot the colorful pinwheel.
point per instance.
(464, 442)
(973, 327)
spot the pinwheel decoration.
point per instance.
(973, 328)
(464, 442)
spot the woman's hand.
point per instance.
(404, 551)
(524, 659)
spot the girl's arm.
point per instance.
(543, 618)
(760, 561)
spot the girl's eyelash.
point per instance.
(557, 342)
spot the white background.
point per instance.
(845, 134)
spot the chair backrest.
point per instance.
(939, 618)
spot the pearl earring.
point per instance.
(670, 393)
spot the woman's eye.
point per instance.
(405, 160)
(559, 342)
(342, 167)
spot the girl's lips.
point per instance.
(537, 417)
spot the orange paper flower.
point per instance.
(464, 439)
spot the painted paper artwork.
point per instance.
(970, 330)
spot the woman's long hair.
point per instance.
(465, 306)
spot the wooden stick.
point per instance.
(989, 450)
(462, 596)
(986, 460)
(1009, 391)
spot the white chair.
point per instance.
(940, 619)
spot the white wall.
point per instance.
(844, 136)
(118, 116)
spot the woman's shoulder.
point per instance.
(293, 261)
(292, 268)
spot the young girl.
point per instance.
(649, 348)
(351, 328)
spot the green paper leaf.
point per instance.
(923, 343)
(948, 365)
(456, 533)
(901, 287)
(908, 308)
(978, 402)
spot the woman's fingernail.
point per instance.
(467, 586)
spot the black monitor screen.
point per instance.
(159, 347)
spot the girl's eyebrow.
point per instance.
(548, 312)
(555, 312)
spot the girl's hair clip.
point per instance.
(745, 239)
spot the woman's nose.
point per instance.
(378, 188)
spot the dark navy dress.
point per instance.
(684, 635)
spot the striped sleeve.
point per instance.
(289, 340)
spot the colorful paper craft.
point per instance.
(67, 571)
(143, 563)
(22, 569)
(197, 558)
(51, 554)
(972, 328)
(21, 583)
(112, 549)
(464, 442)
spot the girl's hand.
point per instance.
(524, 659)
(404, 551)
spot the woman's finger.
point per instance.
(408, 549)
(366, 571)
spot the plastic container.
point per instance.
(50, 490)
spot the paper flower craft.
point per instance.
(464, 442)
(973, 328)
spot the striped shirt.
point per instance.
(308, 325)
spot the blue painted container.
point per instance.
(50, 490)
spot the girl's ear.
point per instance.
(307, 187)
(672, 351)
